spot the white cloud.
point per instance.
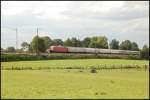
(108, 5)
(15, 7)
(62, 19)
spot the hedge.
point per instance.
(24, 57)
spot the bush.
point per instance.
(145, 53)
(23, 57)
(93, 70)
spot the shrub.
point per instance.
(80, 70)
(144, 53)
(93, 70)
(21, 57)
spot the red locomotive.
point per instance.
(60, 49)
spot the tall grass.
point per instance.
(98, 67)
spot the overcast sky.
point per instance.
(66, 19)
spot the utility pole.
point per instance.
(16, 38)
(37, 50)
(95, 48)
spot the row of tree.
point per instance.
(41, 44)
(101, 42)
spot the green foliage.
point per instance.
(75, 42)
(134, 46)
(126, 45)
(10, 49)
(25, 45)
(99, 42)
(57, 42)
(18, 57)
(145, 52)
(38, 44)
(86, 42)
(48, 42)
(30, 48)
(114, 44)
(68, 42)
(28, 56)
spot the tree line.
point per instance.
(41, 44)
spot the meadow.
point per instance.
(74, 83)
(72, 63)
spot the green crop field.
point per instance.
(74, 83)
(71, 63)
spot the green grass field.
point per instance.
(63, 84)
(71, 83)
(71, 63)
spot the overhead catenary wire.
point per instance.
(17, 36)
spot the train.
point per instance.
(62, 49)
